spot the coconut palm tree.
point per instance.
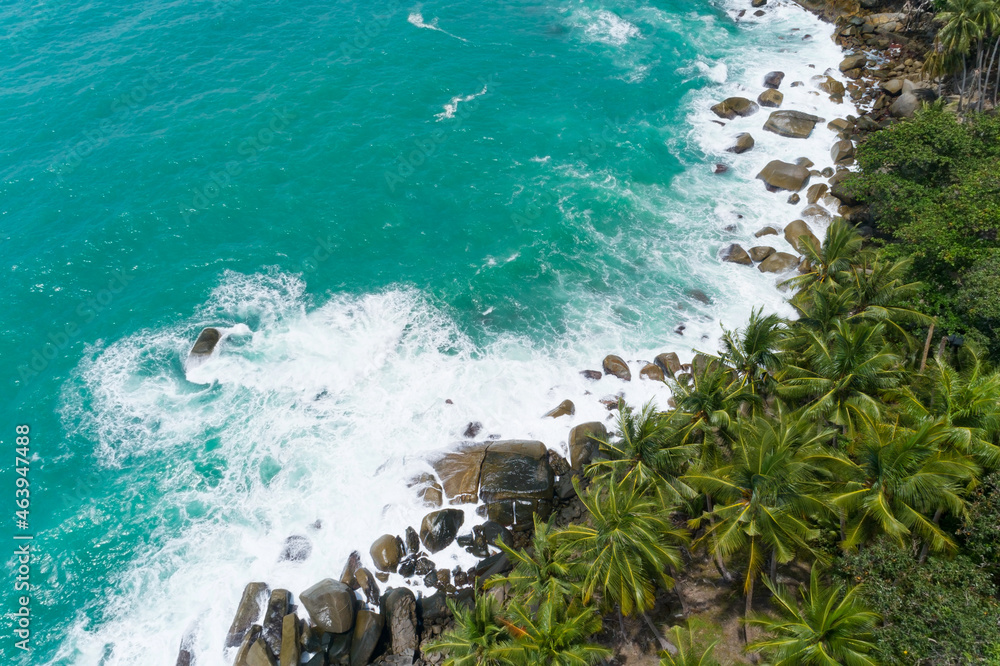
(708, 400)
(831, 262)
(554, 634)
(627, 545)
(765, 495)
(881, 292)
(540, 573)
(646, 451)
(843, 373)
(901, 476)
(690, 650)
(753, 351)
(480, 637)
(961, 30)
(829, 628)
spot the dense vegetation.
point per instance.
(838, 440)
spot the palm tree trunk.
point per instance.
(716, 555)
(843, 526)
(989, 68)
(996, 81)
(927, 544)
(660, 638)
(927, 348)
(774, 567)
(747, 610)
(680, 595)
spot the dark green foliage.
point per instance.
(981, 532)
(942, 612)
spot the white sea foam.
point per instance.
(417, 19)
(452, 106)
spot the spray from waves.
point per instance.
(606, 27)
(452, 106)
(417, 19)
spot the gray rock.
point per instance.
(829, 85)
(778, 175)
(565, 408)
(330, 605)
(412, 541)
(278, 606)
(352, 565)
(744, 142)
(792, 124)
(853, 62)
(247, 612)
(842, 152)
(339, 649)
(761, 252)
(779, 262)
(770, 98)
(839, 125)
(367, 633)
(433, 608)
(817, 214)
(386, 552)
(615, 365)
(734, 106)
(297, 548)
(905, 105)
(494, 533)
(735, 254)
(401, 620)
(798, 231)
(892, 86)
(439, 528)
(773, 79)
(584, 442)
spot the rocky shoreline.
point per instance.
(351, 620)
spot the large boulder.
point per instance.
(330, 605)
(458, 470)
(831, 86)
(668, 362)
(892, 86)
(733, 107)
(773, 79)
(816, 192)
(439, 528)
(584, 442)
(278, 607)
(853, 62)
(260, 654)
(735, 254)
(840, 190)
(744, 142)
(798, 231)
(792, 124)
(817, 214)
(291, 651)
(616, 365)
(386, 552)
(779, 262)
(352, 565)
(842, 152)
(651, 371)
(247, 612)
(206, 342)
(367, 584)
(778, 175)
(249, 640)
(905, 105)
(400, 609)
(516, 482)
(367, 633)
(770, 98)
(761, 252)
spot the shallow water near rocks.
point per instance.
(382, 207)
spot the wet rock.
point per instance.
(816, 192)
(652, 372)
(494, 533)
(839, 125)
(206, 342)
(472, 429)
(699, 295)
(831, 86)
(770, 98)
(386, 552)
(423, 566)
(734, 106)
(798, 231)
(794, 198)
(278, 606)
(491, 566)
(853, 62)
(565, 408)
(778, 175)
(773, 79)
(433, 608)
(668, 362)
(842, 152)
(260, 654)
(458, 470)
(735, 254)
(766, 231)
(758, 3)
(291, 652)
(367, 632)
(401, 620)
(406, 567)
(439, 528)
(330, 605)
(761, 252)
(297, 548)
(817, 214)
(558, 464)
(347, 575)
(759, 13)
(339, 649)
(247, 612)
(428, 489)
(592, 374)
(892, 86)
(516, 482)
(368, 585)
(412, 541)
(584, 441)
(615, 365)
(720, 168)
(744, 142)
(792, 124)
(779, 262)
(249, 639)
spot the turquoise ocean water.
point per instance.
(385, 205)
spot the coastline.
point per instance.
(407, 618)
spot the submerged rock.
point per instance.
(773, 79)
(297, 548)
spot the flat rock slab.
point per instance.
(459, 471)
(792, 124)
